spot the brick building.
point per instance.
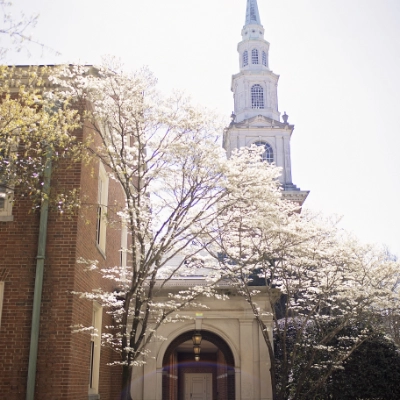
(69, 366)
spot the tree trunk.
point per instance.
(126, 383)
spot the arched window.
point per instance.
(245, 58)
(257, 96)
(264, 58)
(254, 56)
(268, 154)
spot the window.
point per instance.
(95, 345)
(2, 196)
(124, 251)
(268, 154)
(254, 56)
(102, 200)
(1, 298)
(257, 96)
(6, 202)
(245, 59)
(264, 58)
(6, 193)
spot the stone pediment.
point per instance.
(296, 196)
(260, 121)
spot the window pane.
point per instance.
(254, 56)
(268, 154)
(2, 196)
(245, 59)
(98, 227)
(257, 97)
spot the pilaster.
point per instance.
(247, 363)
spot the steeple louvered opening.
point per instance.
(257, 97)
(245, 59)
(254, 56)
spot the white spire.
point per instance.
(255, 86)
(252, 14)
(256, 118)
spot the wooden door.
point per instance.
(198, 386)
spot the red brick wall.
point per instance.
(18, 248)
(63, 357)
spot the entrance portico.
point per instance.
(233, 352)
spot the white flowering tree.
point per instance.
(175, 178)
(319, 284)
(340, 293)
(183, 197)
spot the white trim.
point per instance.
(188, 326)
(94, 368)
(6, 211)
(1, 299)
(102, 200)
(124, 249)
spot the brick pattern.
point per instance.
(63, 357)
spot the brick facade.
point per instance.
(63, 356)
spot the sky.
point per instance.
(339, 67)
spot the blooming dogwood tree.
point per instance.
(183, 197)
(311, 273)
(176, 180)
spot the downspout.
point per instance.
(37, 296)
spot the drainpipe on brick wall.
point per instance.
(37, 296)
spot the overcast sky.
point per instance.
(339, 67)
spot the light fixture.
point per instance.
(196, 338)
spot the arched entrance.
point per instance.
(212, 377)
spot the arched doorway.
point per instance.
(210, 378)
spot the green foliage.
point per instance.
(371, 370)
(33, 126)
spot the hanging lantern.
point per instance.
(197, 358)
(196, 338)
(196, 349)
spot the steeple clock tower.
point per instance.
(256, 118)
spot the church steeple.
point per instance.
(256, 118)
(252, 28)
(254, 68)
(252, 14)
